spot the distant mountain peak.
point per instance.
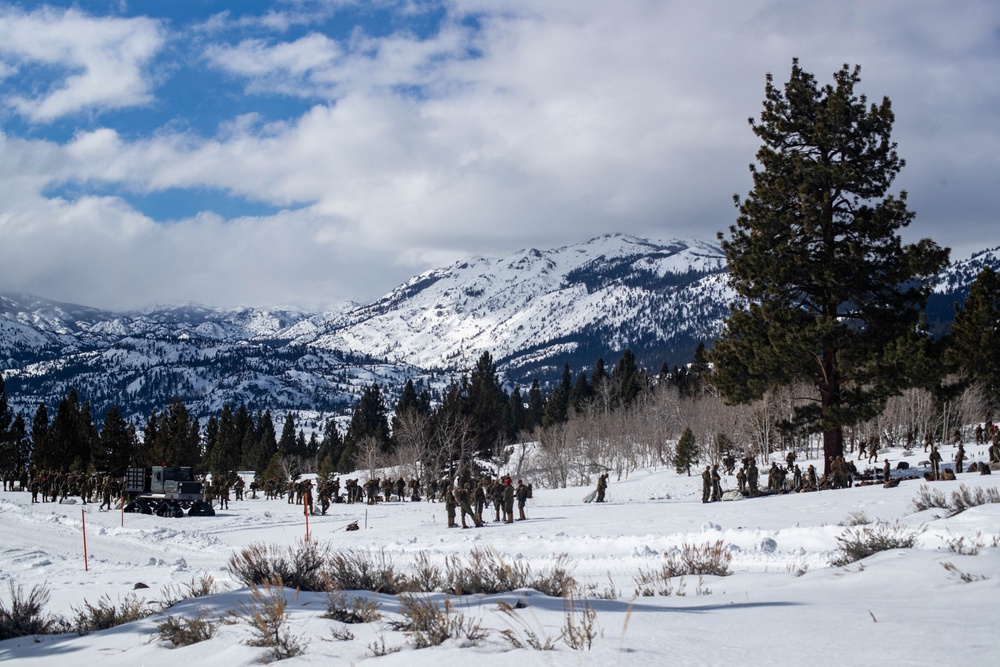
(533, 310)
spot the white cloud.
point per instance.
(99, 251)
(99, 61)
(573, 119)
(319, 67)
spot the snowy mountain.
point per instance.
(953, 287)
(140, 361)
(534, 311)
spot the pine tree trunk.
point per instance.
(833, 436)
(833, 446)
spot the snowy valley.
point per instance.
(933, 603)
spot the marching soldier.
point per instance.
(449, 506)
(873, 449)
(752, 478)
(508, 501)
(480, 497)
(522, 498)
(462, 493)
(105, 495)
(935, 462)
(811, 478)
(496, 497)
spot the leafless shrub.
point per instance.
(928, 498)
(300, 566)
(964, 498)
(711, 559)
(964, 547)
(360, 610)
(658, 581)
(186, 631)
(855, 518)
(341, 633)
(255, 563)
(487, 573)
(267, 615)
(580, 629)
(519, 635)
(427, 624)
(609, 592)
(856, 544)
(379, 648)
(704, 559)
(961, 499)
(25, 616)
(106, 614)
(198, 587)
(357, 570)
(964, 577)
(427, 575)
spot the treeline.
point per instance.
(618, 420)
(475, 419)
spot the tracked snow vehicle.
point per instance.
(165, 491)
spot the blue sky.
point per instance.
(308, 152)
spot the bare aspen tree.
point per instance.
(413, 442)
(370, 456)
(556, 455)
(453, 442)
(970, 408)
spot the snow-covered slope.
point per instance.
(953, 286)
(931, 604)
(534, 311)
(537, 307)
(957, 277)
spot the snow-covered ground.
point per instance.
(783, 602)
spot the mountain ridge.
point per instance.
(533, 311)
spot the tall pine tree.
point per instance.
(828, 293)
(369, 420)
(975, 337)
(40, 434)
(118, 444)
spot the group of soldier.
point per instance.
(464, 499)
(471, 499)
(53, 486)
(748, 478)
(843, 472)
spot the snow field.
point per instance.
(783, 601)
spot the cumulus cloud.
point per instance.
(99, 63)
(515, 124)
(97, 250)
(317, 66)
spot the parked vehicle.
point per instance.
(165, 491)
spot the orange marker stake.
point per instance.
(83, 521)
